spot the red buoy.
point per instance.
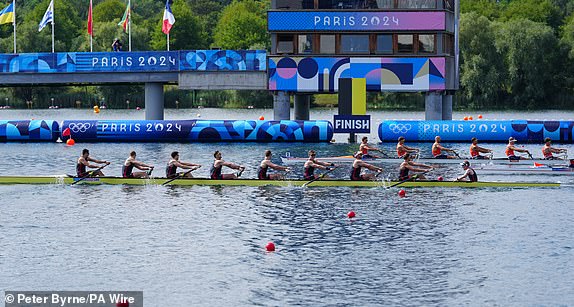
(351, 214)
(402, 193)
(465, 118)
(480, 116)
(270, 247)
(440, 178)
(261, 117)
(70, 142)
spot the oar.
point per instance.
(401, 182)
(530, 155)
(89, 174)
(179, 175)
(320, 177)
(456, 154)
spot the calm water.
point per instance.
(204, 246)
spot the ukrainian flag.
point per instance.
(7, 14)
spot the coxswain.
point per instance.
(437, 149)
(174, 163)
(218, 165)
(364, 148)
(266, 164)
(403, 149)
(130, 163)
(548, 150)
(358, 164)
(84, 162)
(312, 164)
(409, 165)
(475, 150)
(510, 149)
(469, 173)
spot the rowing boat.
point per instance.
(534, 170)
(497, 161)
(255, 182)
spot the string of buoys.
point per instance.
(471, 118)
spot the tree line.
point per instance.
(515, 54)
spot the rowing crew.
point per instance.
(475, 151)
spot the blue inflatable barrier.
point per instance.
(486, 131)
(198, 131)
(29, 130)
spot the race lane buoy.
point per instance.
(402, 193)
(351, 214)
(261, 117)
(70, 142)
(270, 247)
(96, 109)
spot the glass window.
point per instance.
(385, 4)
(385, 43)
(426, 43)
(294, 4)
(417, 4)
(347, 4)
(327, 44)
(449, 5)
(355, 43)
(405, 43)
(449, 44)
(305, 44)
(284, 44)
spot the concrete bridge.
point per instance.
(191, 70)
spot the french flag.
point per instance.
(168, 18)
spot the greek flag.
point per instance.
(48, 16)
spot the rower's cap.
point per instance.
(546, 140)
(511, 139)
(465, 163)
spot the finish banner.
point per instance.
(355, 21)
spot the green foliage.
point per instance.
(108, 10)
(242, 25)
(528, 49)
(482, 69)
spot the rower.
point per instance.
(130, 163)
(409, 165)
(84, 161)
(358, 164)
(174, 163)
(571, 163)
(510, 149)
(364, 148)
(468, 173)
(403, 149)
(475, 150)
(548, 150)
(312, 164)
(266, 164)
(218, 165)
(437, 149)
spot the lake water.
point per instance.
(205, 246)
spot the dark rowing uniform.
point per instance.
(81, 170)
(171, 171)
(127, 171)
(262, 173)
(216, 172)
(309, 173)
(404, 174)
(356, 174)
(472, 177)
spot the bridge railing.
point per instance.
(144, 61)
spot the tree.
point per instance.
(482, 69)
(488, 8)
(242, 25)
(536, 10)
(528, 49)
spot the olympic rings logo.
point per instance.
(79, 127)
(400, 128)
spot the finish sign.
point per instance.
(352, 123)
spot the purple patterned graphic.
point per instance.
(355, 21)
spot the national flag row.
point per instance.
(8, 15)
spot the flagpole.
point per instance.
(53, 18)
(167, 41)
(14, 3)
(130, 24)
(91, 31)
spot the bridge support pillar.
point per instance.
(433, 106)
(281, 106)
(154, 101)
(447, 107)
(302, 104)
